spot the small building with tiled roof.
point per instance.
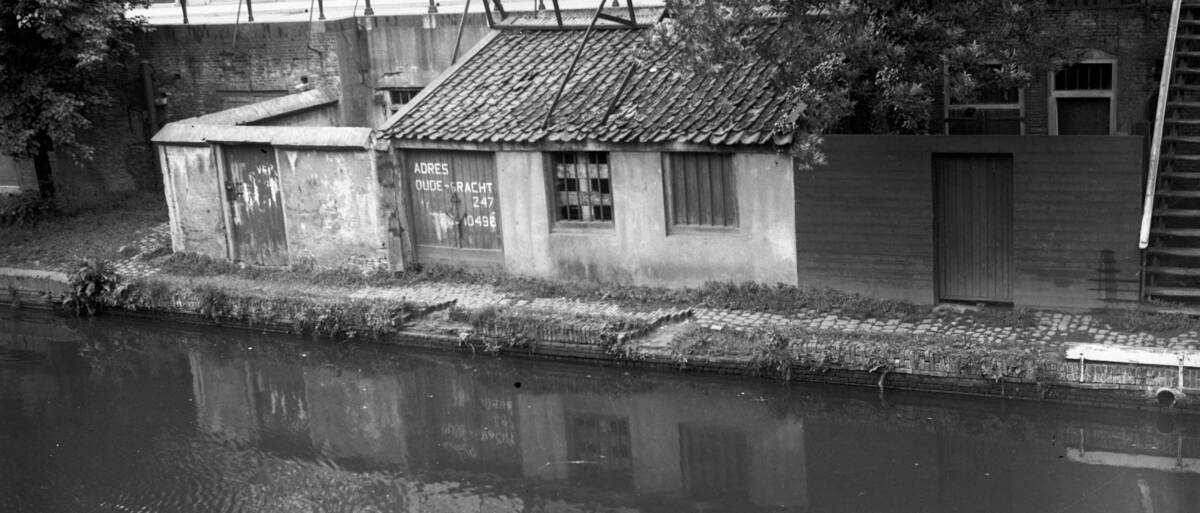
(557, 151)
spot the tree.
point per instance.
(55, 59)
(870, 66)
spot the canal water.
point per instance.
(112, 415)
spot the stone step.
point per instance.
(1173, 292)
(1177, 232)
(1174, 271)
(1176, 212)
(1180, 175)
(1179, 252)
(1177, 194)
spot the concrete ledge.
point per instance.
(33, 274)
(1132, 355)
(32, 287)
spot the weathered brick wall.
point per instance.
(1136, 36)
(865, 222)
(1132, 32)
(201, 69)
(207, 68)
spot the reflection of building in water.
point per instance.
(435, 419)
(357, 415)
(667, 442)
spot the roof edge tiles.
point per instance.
(497, 94)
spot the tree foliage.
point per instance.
(55, 56)
(871, 66)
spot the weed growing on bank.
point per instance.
(500, 329)
(779, 350)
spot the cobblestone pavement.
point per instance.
(1049, 328)
(152, 242)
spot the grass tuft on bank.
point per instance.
(778, 351)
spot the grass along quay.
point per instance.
(780, 331)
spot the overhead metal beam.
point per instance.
(571, 70)
(461, 23)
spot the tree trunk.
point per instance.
(45, 175)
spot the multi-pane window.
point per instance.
(1082, 99)
(581, 186)
(700, 189)
(396, 97)
(991, 109)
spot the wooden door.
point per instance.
(256, 205)
(456, 217)
(974, 227)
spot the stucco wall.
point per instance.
(637, 248)
(331, 206)
(193, 200)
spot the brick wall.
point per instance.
(201, 69)
(864, 222)
(1134, 34)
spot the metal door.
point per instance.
(974, 228)
(455, 212)
(256, 205)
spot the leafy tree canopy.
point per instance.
(871, 66)
(54, 58)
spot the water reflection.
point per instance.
(230, 422)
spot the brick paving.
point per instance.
(1050, 328)
(153, 241)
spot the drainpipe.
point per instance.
(148, 86)
(183, 5)
(249, 11)
(432, 7)
(368, 11)
(321, 9)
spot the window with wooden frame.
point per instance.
(396, 97)
(581, 187)
(1083, 97)
(992, 109)
(700, 190)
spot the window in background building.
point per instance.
(993, 109)
(395, 97)
(1082, 99)
(581, 187)
(700, 190)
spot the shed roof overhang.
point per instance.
(188, 132)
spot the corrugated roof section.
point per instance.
(503, 92)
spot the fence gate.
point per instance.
(456, 218)
(256, 205)
(974, 226)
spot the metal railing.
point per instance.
(1160, 113)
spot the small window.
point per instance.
(700, 190)
(582, 187)
(990, 109)
(396, 97)
(1082, 99)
